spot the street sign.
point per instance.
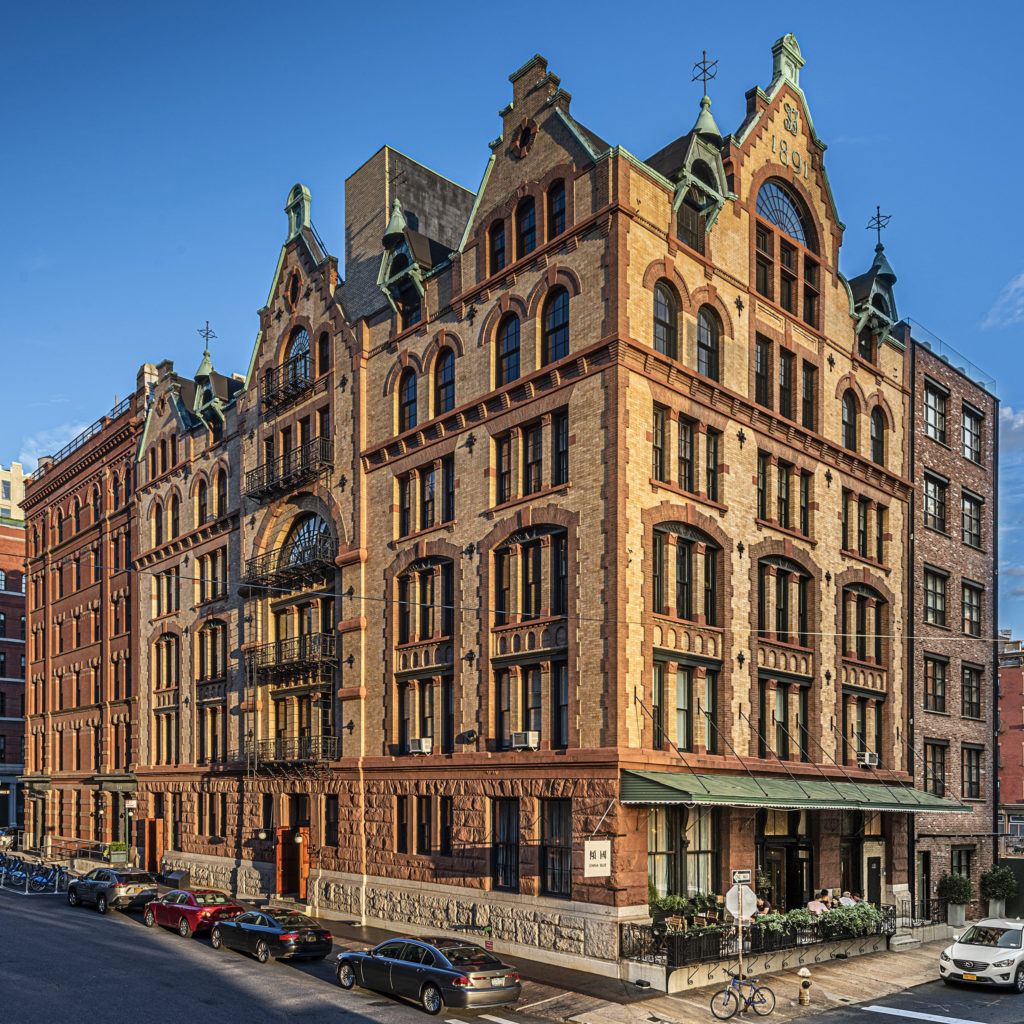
(741, 876)
(597, 858)
(741, 902)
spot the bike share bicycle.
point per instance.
(761, 998)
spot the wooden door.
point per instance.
(279, 859)
(302, 852)
(153, 844)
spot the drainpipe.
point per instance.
(909, 581)
(994, 788)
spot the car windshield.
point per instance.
(135, 878)
(469, 956)
(210, 899)
(995, 937)
(287, 919)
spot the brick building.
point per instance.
(577, 510)
(953, 593)
(81, 699)
(1011, 740)
(12, 492)
(12, 670)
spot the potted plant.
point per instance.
(956, 891)
(998, 885)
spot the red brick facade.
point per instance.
(12, 670)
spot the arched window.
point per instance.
(96, 506)
(60, 526)
(426, 600)
(526, 227)
(496, 246)
(691, 219)
(850, 421)
(309, 540)
(866, 344)
(554, 343)
(666, 321)
(407, 400)
(785, 268)
(213, 651)
(541, 588)
(508, 350)
(156, 516)
(297, 357)
(685, 568)
(556, 208)
(864, 623)
(222, 492)
(788, 585)
(127, 484)
(444, 382)
(175, 517)
(166, 666)
(709, 343)
(202, 502)
(115, 492)
(78, 515)
(878, 436)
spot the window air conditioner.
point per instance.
(525, 740)
(867, 759)
(421, 745)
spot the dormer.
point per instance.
(874, 305)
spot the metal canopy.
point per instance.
(766, 791)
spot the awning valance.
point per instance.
(766, 791)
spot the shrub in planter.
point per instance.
(800, 918)
(955, 888)
(772, 921)
(998, 883)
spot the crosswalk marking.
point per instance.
(497, 1020)
(933, 1018)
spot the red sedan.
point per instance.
(191, 910)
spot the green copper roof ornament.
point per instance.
(206, 366)
(705, 70)
(297, 208)
(397, 225)
(787, 60)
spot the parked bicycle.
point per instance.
(729, 1000)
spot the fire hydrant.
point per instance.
(805, 986)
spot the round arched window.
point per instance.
(308, 539)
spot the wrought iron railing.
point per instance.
(90, 432)
(287, 381)
(296, 562)
(297, 654)
(299, 465)
(294, 748)
(672, 949)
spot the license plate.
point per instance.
(970, 977)
(311, 938)
(498, 982)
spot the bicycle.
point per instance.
(724, 1004)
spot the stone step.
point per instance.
(901, 943)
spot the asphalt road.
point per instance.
(934, 1003)
(64, 965)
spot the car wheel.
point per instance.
(72, 897)
(430, 1000)
(1018, 980)
(149, 919)
(215, 939)
(262, 951)
(184, 928)
(101, 903)
(346, 976)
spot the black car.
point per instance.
(120, 888)
(434, 972)
(273, 932)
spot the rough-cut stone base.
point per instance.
(238, 877)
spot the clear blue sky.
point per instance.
(148, 149)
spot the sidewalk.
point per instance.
(836, 983)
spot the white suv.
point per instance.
(988, 953)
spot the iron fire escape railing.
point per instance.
(295, 655)
(294, 749)
(296, 467)
(286, 382)
(299, 562)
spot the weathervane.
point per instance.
(206, 333)
(879, 222)
(705, 70)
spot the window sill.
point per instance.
(787, 530)
(668, 485)
(544, 492)
(426, 531)
(935, 529)
(858, 557)
(935, 711)
(697, 623)
(937, 625)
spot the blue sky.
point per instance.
(148, 150)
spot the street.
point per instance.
(934, 1003)
(64, 965)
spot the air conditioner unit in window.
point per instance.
(421, 745)
(867, 759)
(525, 740)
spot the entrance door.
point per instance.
(153, 842)
(875, 881)
(775, 866)
(292, 861)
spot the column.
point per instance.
(769, 600)
(547, 443)
(672, 445)
(669, 690)
(870, 628)
(793, 697)
(697, 582)
(768, 726)
(545, 574)
(794, 607)
(546, 705)
(515, 440)
(515, 698)
(668, 573)
(872, 530)
(435, 572)
(869, 726)
(515, 583)
(699, 712)
(771, 486)
(851, 728)
(700, 441)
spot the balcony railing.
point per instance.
(297, 654)
(296, 467)
(306, 561)
(294, 749)
(287, 381)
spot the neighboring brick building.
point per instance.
(952, 591)
(12, 670)
(1011, 741)
(188, 607)
(81, 699)
(12, 492)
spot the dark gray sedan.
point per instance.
(434, 972)
(106, 888)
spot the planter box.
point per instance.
(956, 914)
(997, 908)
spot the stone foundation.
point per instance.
(246, 879)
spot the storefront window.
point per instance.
(701, 850)
(660, 850)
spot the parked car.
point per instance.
(273, 932)
(988, 953)
(191, 910)
(435, 972)
(119, 888)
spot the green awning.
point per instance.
(765, 791)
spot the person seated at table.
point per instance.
(856, 898)
(763, 906)
(846, 900)
(819, 904)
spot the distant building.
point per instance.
(12, 492)
(12, 670)
(1011, 741)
